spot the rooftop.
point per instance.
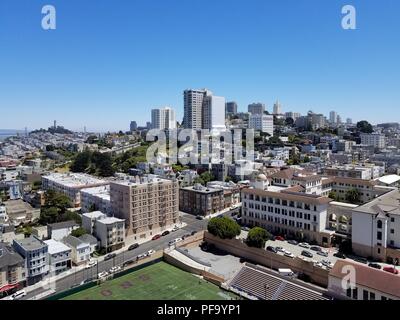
(369, 277)
(389, 203)
(101, 192)
(94, 215)
(110, 220)
(56, 246)
(8, 257)
(31, 243)
(77, 180)
(389, 179)
(63, 225)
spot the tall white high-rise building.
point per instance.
(333, 117)
(262, 122)
(277, 108)
(349, 121)
(214, 113)
(193, 108)
(338, 119)
(163, 118)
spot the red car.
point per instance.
(157, 236)
(391, 270)
(280, 238)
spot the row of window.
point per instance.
(276, 201)
(366, 295)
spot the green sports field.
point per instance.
(159, 281)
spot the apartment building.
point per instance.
(376, 228)
(60, 230)
(376, 140)
(193, 108)
(80, 250)
(262, 122)
(370, 283)
(110, 232)
(148, 204)
(12, 269)
(71, 184)
(97, 198)
(163, 118)
(287, 212)
(367, 189)
(34, 252)
(58, 256)
(356, 172)
(310, 183)
(256, 108)
(213, 113)
(200, 200)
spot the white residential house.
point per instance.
(59, 256)
(80, 251)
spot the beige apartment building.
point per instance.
(148, 204)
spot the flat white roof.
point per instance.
(389, 179)
(102, 192)
(56, 246)
(110, 220)
(94, 214)
(74, 179)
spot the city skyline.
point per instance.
(131, 58)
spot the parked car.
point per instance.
(279, 238)
(391, 270)
(103, 274)
(245, 228)
(150, 252)
(304, 245)
(289, 254)
(307, 254)
(165, 233)
(340, 255)
(315, 248)
(157, 236)
(198, 217)
(110, 256)
(133, 246)
(361, 260)
(280, 249)
(18, 295)
(128, 262)
(322, 253)
(294, 242)
(272, 249)
(193, 233)
(327, 263)
(91, 264)
(115, 269)
(319, 264)
(141, 256)
(375, 265)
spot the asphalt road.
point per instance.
(78, 277)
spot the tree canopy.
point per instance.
(55, 207)
(94, 163)
(224, 228)
(257, 237)
(353, 196)
(78, 232)
(364, 127)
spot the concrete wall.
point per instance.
(269, 259)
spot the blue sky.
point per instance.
(109, 62)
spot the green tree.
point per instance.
(257, 237)
(48, 215)
(224, 227)
(207, 177)
(81, 162)
(56, 205)
(353, 196)
(78, 232)
(289, 122)
(364, 127)
(198, 180)
(306, 159)
(334, 196)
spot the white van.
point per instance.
(286, 272)
(18, 295)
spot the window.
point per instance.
(379, 224)
(392, 231)
(379, 235)
(355, 294)
(365, 295)
(371, 296)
